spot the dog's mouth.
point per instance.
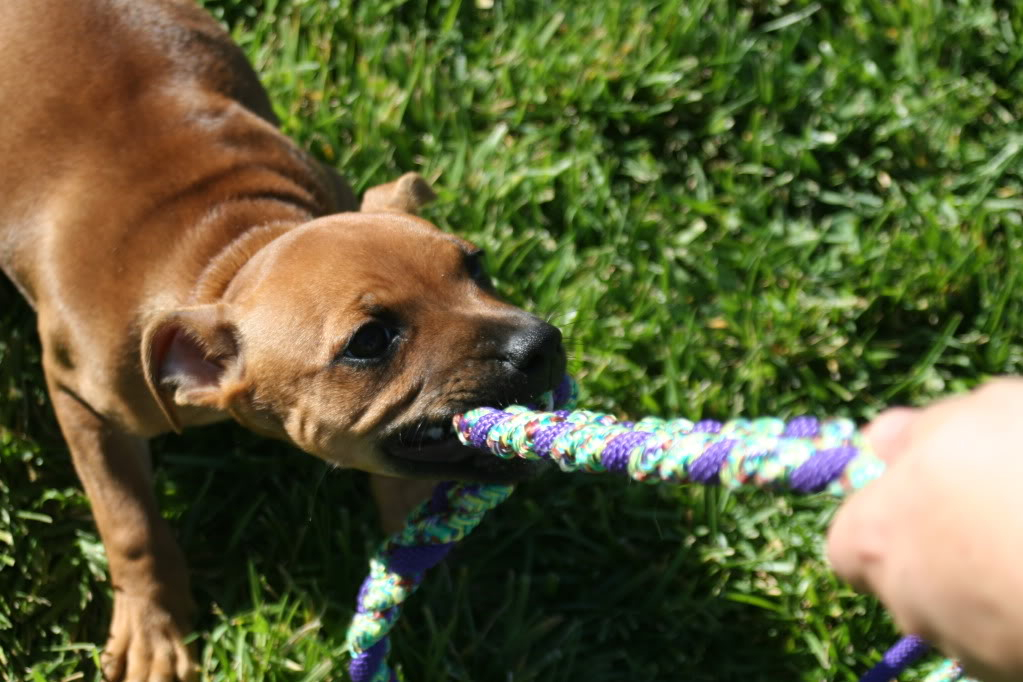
(431, 449)
(428, 441)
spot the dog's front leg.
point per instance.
(152, 600)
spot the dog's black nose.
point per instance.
(536, 351)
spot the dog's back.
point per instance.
(94, 93)
(137, 143)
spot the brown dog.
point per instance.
(190, 264)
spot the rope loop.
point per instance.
(803, 455)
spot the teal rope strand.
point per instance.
(397, 569)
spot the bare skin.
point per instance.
(938, 538)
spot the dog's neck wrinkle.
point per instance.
(222, 268)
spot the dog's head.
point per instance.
(357, 337)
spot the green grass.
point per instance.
(765, 207)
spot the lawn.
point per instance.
(752, 208)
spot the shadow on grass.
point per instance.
(572, 579)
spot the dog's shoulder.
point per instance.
(67, 42)
(197, 47)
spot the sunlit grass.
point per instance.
(731, 208)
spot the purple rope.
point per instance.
(413, 561)
(802, 427)
(410, 562)
(706, 467)
(707, 426)
(817, 472)
(563, 393)
(544, 437)
(439, 498)
(615, 456)
(362, 667)
(483, 426)
(903, 654)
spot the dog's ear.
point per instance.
(407, 194)
(190, 357)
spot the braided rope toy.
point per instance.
(396, 570)
(803, 455)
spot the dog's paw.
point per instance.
(146, 642)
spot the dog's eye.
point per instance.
(474, 266)
(370, 342)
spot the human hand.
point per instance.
(939, 537)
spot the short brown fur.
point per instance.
(189, 264)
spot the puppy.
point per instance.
(189, 264)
